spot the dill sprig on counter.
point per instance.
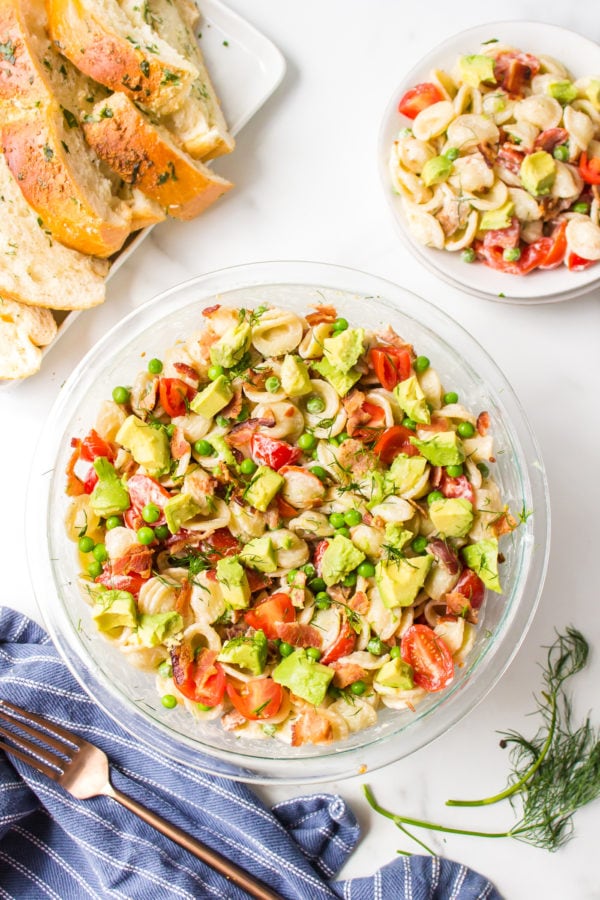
(554, 773)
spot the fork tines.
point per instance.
(47, 734)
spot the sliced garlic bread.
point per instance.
(198, 123)
(24, 330)
(145, 155)
(35, 269)
(100, 39)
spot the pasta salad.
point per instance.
(501, 161)
(291, 522)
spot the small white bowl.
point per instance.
(582, 57)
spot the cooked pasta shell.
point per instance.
(452, 632)
(583, 238)
(291, 551)
(385, 622)
(289, 421)
(412, 154)
(470, 129)
(431, 386)
(312, 524)
(580, 128)
(526, 207)
(110, 417)
(480, 448)
(311, 345)
(465, 236)
(552, 66)
(433, 120)
(118, 541)
(471, 173)
(439, 581)
(407, 184)
(424, 227)
(193, 425)
(467, 99)
(568, 183)
(357, 713)
(493, 199)
(80, 518)
(540, 110)
(522, 132)
(277, 332)
(444, 81)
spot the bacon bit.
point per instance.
(148, 401)
(436, 476)
(550, 138)
(256, 379)
(189, 375)
(240, 434)
(272, 517)
(353, 455)
(299, 635)
(286, 510)
(510, 157)
(513, 69)
(346, 673)
(210, 310)
(483, 423)
(137, 559)
(311, 728)
(234, 407)
(179, 445)
(257, 581)
(550, 207)
(338, 593)
(368, 518)
(438, 423)
(504, 524)
(488, 153)
(359, 603)
(389, 336)
(323, 314)
(182, 600)
(183, 540)
(458, 605)
(74, 484)
(232, 720)
(181, 660)
(357, 416)
(444, 555)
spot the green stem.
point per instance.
(514, 788)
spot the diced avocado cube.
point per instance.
(246, 652)
(339, 559)
(223, 449)
(476, 68)
(263, 487)
(295, 378)
(563, 91)
(234, 582)
(344, 349)
(592, 93)
(114, 609)
(259, 554)
(452, 517)
(482, 557)
(211, 399)
(396, 536)
(231, 347)
(396, 673)
(400, 580)
(405, 471)
(443, 448)
(380, 488)
(155, 628)
(497, 219)
(109, 497)
(304, 677)
(340, 381)
(178, 510)
(149, 446)
(436, 170)
(411, 399)
(537, 173)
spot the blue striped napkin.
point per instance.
(54, 846)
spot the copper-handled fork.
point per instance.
(82, 769)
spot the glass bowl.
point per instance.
(582, 57)
(128, 694)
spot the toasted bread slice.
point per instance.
(23, 331)
(34, 269)
(144, 154)
(199, 123)
(100, 39)
(145, 212)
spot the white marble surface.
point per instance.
(307, 188)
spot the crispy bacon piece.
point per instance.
(286, 510)
(483, 423)
(137, 559)
(232, 720)
(257, 581)
(346, 673)
(437, 473)
(299, 635)
(488, 153)
(272, 517)
(444, 555)
(510, 157)
(182, 600)
(353, 455)
(438, 423)
(179, 445)
(187, 374)
(389, 336)
(240, 435)
(513, 70)
(458, 605)
(359, 603)
(504, 524)
(504, 237)
(74, 484)
(183, 540)
(234, 407)
(357, 416)
(322, 313)
(311, 727)
(210, 310)
(550, 138)
(148, 401)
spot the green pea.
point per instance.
(322, 600)
(337, 520)
(582, 208)
(203, 448)
(350, 580)
(113, 522)
(419, 543)
(376, 646)
(483, 469)
(215, 372)
(307, 441)
(248, 466)
(434, 495)
(309, 570)
(454, 471)
(358, 688)
(452, 153)
(170, 429)
(468, 255)
(94, 569)
(340, 325)
(352, 517)
(85, 544)
(366, 570)
(165, 669)
(313, 653)
(222, 422)
(344, 532)
(451, 397)
(120, 394)
(151, 513)
(285, 649)
(334, 440)
(320, 472)
(512, 254)
(169, 701)
(316, 585)
(100, 553)
(161, 532)
(343, 437)
(395, 652)
(409, 423)
(465, 430)
(145, 535)
(561, 152)
(292, 575)
(155, 366)
(203, 707)
(272, 384)
(315, 404)
(421, 363)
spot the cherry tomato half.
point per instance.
(418, 98)
(144, 490)
(578, 263)
(131, 583)
(429, 657)
(589, 169)
(266, 615)
(342, 646)
(198, 677)
(391, 365)
(93, 446)
(174, 396)
(557, 251)
(259, 698)
(393, 441)
(272, 453)
(471, 587)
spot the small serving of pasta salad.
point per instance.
(290, 521)
(501, 161)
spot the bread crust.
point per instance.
(23, 331)
(91, 42)
(144, 155)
